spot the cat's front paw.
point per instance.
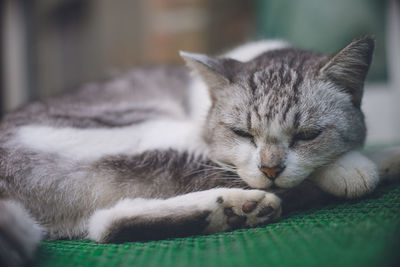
(238, 208)
(352, 175)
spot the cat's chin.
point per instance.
(287, 181)
(276, 190)
(255, 181)
(258, 184)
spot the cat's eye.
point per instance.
(243, 134)
(305, 136)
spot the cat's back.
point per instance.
(64, 136)
(132, 97)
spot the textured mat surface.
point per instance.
(357, 233)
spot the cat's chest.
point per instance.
(92, 144)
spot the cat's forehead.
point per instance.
(280, 75)
(292, 58)
(279, 68)
(276, 82)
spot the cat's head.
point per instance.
(287, 112)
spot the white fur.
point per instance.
(352, 175)
(251, 50)
(247, 160)
(199, 100)
(91, 144)
(294, 173)
(190, 203)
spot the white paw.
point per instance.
(239, 208)
(352, 175)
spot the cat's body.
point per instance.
(78, 151)
(158, 153)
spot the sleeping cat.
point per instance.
(157, 153)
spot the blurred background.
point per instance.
(51, 46)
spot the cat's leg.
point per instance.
(352, 175)
(202, 212)
(20, 235)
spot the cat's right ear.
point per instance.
(217, 73)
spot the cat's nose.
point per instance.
(272, 173)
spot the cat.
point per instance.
(159, 152)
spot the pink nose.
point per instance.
(271, 173)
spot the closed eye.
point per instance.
(243, 134)
(305, 136)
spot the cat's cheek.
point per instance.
(223, 153)
(246, 161)
(254, 179)
(294, 173)
(244, 154)
(287, 181)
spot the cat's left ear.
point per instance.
(217, 73)
(349, 67)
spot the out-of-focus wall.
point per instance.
(74, 41)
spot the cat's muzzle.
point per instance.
(272, 173)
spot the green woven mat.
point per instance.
(357, 233)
